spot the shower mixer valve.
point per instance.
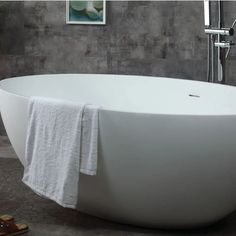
(222, 32)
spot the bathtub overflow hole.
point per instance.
(194, 95)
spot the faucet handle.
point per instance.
(228, 50)
(227, 53)
(232, 26)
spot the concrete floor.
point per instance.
(6, 149)
(46, 218)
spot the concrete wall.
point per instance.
(145, 38)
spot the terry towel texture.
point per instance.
(61, 142)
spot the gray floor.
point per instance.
(46, 218)
(6, 150)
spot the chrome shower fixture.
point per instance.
(223, 31)
(218, 42)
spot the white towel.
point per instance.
(57, 141)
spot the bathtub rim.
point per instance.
(123, 111)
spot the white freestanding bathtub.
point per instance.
(167, 147)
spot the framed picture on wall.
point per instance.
(90, 12)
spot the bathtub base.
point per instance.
(157, 225)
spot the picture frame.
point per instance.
(86, 12)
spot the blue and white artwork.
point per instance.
(86, 12)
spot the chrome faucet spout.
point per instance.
(221, 31)
(224, 44)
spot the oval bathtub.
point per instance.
(167, 147)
